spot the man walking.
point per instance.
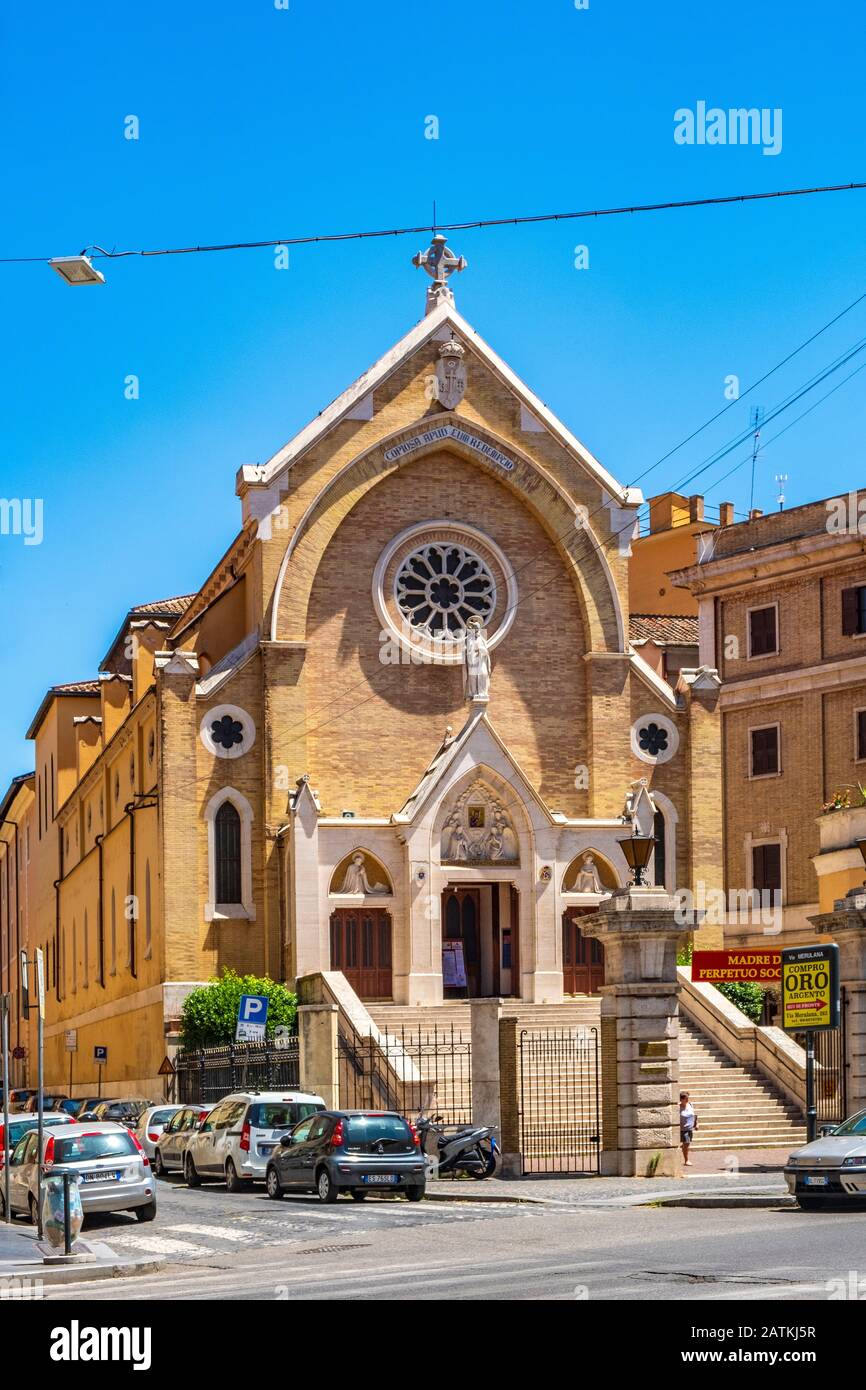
(688, 1125)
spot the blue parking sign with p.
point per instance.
(252, 1017)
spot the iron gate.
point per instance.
(560, 1105)
(210, 1073)
(831, 1070)
(409, 1070)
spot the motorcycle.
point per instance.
(468, 1149)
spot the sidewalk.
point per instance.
(20, 1258)
(750, 1178)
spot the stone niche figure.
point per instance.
(588, 880)
(476, 662)
(356, 880)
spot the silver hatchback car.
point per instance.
(113, 1170)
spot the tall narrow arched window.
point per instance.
(659, 831)
(113, 934)
(74, 956)
(86, 972)
(227, 827)
(148, 920)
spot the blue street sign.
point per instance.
(100, 1054)
(252, 1017)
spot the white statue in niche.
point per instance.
(476, 662)
(356, 880)
(588, 880)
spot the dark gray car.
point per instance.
(356, 1151)
(832, 1166)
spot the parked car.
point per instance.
(832, 1166)
(19, 1125)
(356, 1151)
(123, 1111)
(151, 1123)
(18, 1099)
(171, 1145)
(237, 1138)
(51, 1100)
(84, 1105)
(114, 1171)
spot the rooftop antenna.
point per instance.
(757, 421)
(781, 479)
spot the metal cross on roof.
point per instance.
(439, 264)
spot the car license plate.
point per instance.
(112, 1176)
(381, 1177)
(813, 1181)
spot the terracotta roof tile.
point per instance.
(664, 628)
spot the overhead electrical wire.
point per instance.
(476, 224)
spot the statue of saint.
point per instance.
(356, 880)
(588, 880)
(476, 662)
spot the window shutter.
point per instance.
(849, 612)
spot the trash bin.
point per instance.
(55, 1186)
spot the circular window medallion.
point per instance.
(227, 731)
(654, 738)
(432, 579)
(440, 586)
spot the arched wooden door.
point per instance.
(582, 956)
(361, 948)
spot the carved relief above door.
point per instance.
(479, 830)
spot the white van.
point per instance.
(235, 1141)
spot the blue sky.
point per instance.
(257, 122)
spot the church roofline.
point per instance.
(255, 476)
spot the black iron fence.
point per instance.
(210, 1073)
(560, 1101)
(408, 1070)
(831, 1070)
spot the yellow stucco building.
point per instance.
(393, 733)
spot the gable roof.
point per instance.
(665, 629)
(73, 688)
(443, 316)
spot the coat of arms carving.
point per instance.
(451, 374)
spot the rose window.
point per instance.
(440, 586)
(227, 731)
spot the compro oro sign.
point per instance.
(810, 988)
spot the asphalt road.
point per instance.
(246, 1247)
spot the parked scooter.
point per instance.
(458, 1148)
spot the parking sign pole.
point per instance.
(811, 1107)
(5, 1002)
(40, 1079)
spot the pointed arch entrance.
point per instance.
(480, 941)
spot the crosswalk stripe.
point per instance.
(217, 1232)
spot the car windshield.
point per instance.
(24, 1126)
(856, 1125)
(161, 1117)
(378, 1129)
(280, 1114)
(82, 1147)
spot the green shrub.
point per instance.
(748, 998)
(210, 1013)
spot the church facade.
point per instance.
(399, 732)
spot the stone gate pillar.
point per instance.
(639, 1033)
(846, 925)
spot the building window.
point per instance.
(861, 734)
(74, 956)
(854, 611)
(659, 830)
(765, 751)
(763, 631)
(148, 922)
(86, 973)
(767, 870)
(229, 818)
(440, 586)
(228, 854)
(113, 934)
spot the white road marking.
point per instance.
(159, 1245)
(219, 1232)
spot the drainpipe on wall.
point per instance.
(139, 802)
(283, 901)
(57, 883)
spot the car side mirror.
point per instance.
(826, 1130)
(285, 1140)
